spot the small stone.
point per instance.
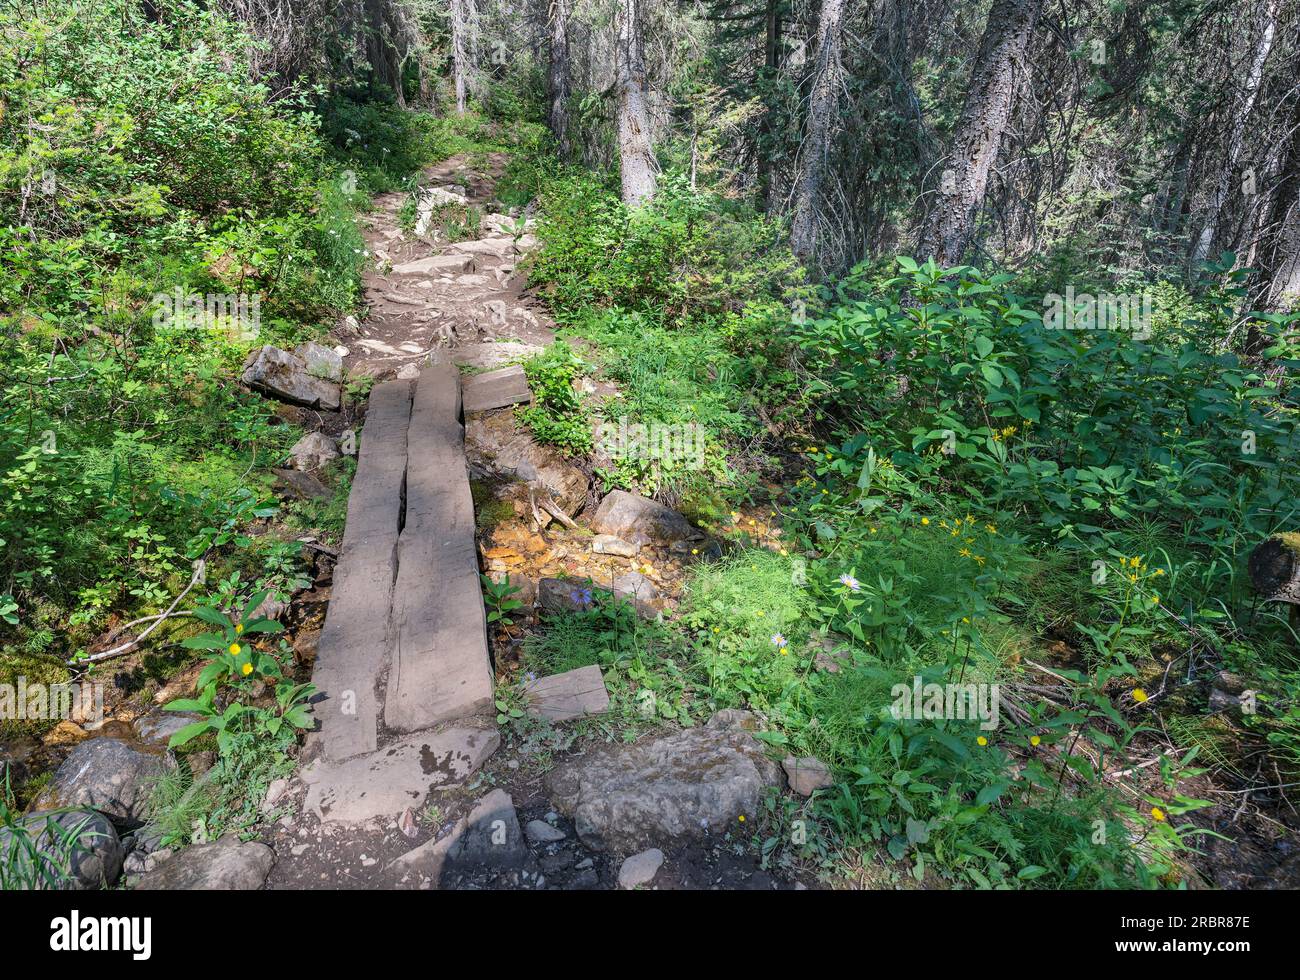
(608, 544)
(635, 586)
(492, 835)
(313, 451)
(640, 869)
(806, 774)
(157, 727)
(541, 832)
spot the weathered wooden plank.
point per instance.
(440, 667)
(354, 640)
(573, 694)
(495, 389)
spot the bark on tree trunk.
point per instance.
(771, 68)
(1275, 568)
(1223, 185)
(977, 139)
(462, 14)
(817, 137)
(636, 158)
(558, 78)
(1277, 258)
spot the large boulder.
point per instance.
(224, 865)
(111, 775)
(807, 774)
(70, 850)
(625, 797)
(279, 374)
(637, 519)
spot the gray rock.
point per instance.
(623, 797)
(157, 727)
(313, 451)
(282, 375)
(497, 247)
(607, 544)
(428, 860)
(635, 586)
(400, 775)
(77, 850)
(436, 263)
(558, 595)
(640, 869)
(304, 486)
(111, 775)
(491, 835)
(541, 832)
(322, 362)
(640, 520)
(806, 774)
(224, 865)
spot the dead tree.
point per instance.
(558, 76)
(462, 48)
(636, 156)
(818, 133)
(990, 96)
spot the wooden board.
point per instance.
(440, 666)
(354, 640)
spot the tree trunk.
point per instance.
(558, 78)
(771, 69)
(817, 136)
(1222, 186)
(636, 158)
(990, 94)
(1274, 568)
(462, 16)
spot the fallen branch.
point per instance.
(158, 620)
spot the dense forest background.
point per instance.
(835, 235)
